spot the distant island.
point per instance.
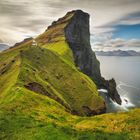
(118, 53)
(3, 46)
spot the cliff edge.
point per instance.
(74, 29)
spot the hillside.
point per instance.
(49, 69)
(48, 90)
(73, 29)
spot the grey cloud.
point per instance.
(31, 16)
(133, 43)
(1, 41)
(131, 19)
(115, 44)
(12, 9)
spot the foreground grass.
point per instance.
(32, 116)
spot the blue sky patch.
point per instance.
(127, 32)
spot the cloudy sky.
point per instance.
(115, 24)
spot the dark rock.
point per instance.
(78, 37)
(13, 61)
(113, 93)
(37, 88)
(90, 112)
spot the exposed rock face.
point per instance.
(74, 29)
(82, 96)
(78, 36)
(112, 91)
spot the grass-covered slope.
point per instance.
(59, 80)
(46, 72)
(44, 112)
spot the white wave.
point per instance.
(126, 104)
(126, 101)
(102, 90)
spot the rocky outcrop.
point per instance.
(78, 37)
(74, 29)
(112, 91)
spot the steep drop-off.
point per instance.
(78, 37)
(73, 28)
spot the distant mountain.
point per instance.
(3, 46)
(118, 53)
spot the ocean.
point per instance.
(126, 71)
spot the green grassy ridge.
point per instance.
(63, 90)
(10, 54)
(44, 67)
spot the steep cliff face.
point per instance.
(73, 29)
(78, 37)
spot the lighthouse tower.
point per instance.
(34, 43)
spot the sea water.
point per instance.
(126, 71)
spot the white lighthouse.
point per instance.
(34, 43)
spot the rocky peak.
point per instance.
(78, 37)
(74, 29)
